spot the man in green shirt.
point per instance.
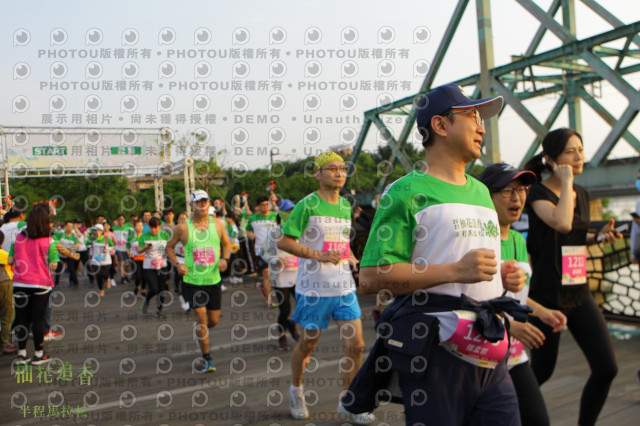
(436, 238)
(68, 240)
(122, 231)
(257, 228)
(325, 289)
(203, 239)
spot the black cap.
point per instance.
(499, 175)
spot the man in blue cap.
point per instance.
(435, 245)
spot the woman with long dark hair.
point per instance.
(558, 238)
(35, 257)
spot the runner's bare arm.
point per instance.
(402, 278)
(225, 243)
(290, 245)
(63, 250)
(224, 239)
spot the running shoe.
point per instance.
(223, 288)
(183, 304)
(359, 419)
(22, 360)
(297, 405)
(282, 343)
(293, 330)
(261, 289)
(209, 365)
(52, 335)
(40, 360)
(10, 348)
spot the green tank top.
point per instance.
(201, 255)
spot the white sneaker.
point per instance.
(223, 288)
(297, 405)
(183, 304)
(359, 419)
(113, 282)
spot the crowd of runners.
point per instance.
(464, 293)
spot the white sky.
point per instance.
(513, 29)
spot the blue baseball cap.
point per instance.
(451, 96)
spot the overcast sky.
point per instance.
(293, 61)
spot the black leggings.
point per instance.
(112, 269)
(589, 329)
(30, 311)
(533, 411)
(101, 275)
(71, 268)
(84, 258)
(157, 284)
(283, 299)
(141, 282)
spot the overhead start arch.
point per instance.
(39, 152)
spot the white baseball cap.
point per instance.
(98, 227)
(199, 194)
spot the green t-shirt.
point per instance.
(322, 226)
(122, 236)
(134, 243)
(260, 225)
(426, 221)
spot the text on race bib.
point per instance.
(574, 265)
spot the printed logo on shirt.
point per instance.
(475, 227)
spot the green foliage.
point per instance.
(85, 198)
(77, 198)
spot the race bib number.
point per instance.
(158, 263)
(343, 248)
(468, 344)
(290, 262)
(517, 347)
(574, 265)
(156, 254)
(99, 252)
(204, 256)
